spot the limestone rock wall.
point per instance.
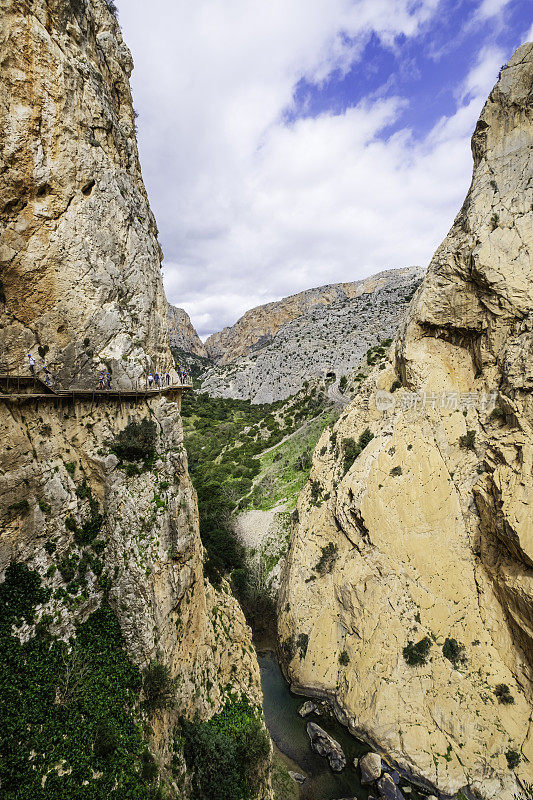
(79, 256)
(182, 332)
(275, 348)
(81, 281)
(427, 532)
(149, 547)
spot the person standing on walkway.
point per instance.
(150, 380)
(47, 376)
(32, 364)
(168, 378)
(156, 379)
(101, 381)
(108, 379)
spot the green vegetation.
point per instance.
(283, 786)
(417, 654)
(228, 753)
(137, 442)
(158, 686)
(70, 710)
(302, 643)
(503, 693)
(195, 365)
(288, 649)
(19, 508)
(468, 440)
(112, 7)
(454, 651)
(327, 560)
(513, 758)
(353, 449)
(237, 460)
(344, 659)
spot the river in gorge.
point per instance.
(289, 734)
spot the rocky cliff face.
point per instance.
(182, 333)
(79, 256)
(60, 480)
(272, 350)
(415, 528)
(81, 280)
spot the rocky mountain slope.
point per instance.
(79, 256)
(408, 595)
(259, 325)
(109, 632)
(273, 349)
(182, 333)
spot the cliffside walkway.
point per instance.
(28, 388)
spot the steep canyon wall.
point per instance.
(416, 525)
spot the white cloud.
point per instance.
(491, 8)
(251, 209)
(481, 77)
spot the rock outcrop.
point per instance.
(182, 334)
(273, 349)
(325, 745)
(79, 256)
(410, 569)
(81, 281)
(370, 767)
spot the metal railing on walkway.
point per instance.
(29, 387)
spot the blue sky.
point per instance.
(295, 143)
(425, 69)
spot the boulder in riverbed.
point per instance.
(370, 767)
(297, 777)
(388, 790)
(307, 708)
(325, 745)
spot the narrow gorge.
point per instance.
(308, 575)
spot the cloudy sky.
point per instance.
(286, 144)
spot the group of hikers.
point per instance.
(46, 372)
(157, 380)
(160, 381)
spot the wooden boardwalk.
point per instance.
(29, 388)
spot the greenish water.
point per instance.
(288, 732)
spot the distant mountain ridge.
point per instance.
(260, 324)
(273, 349)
